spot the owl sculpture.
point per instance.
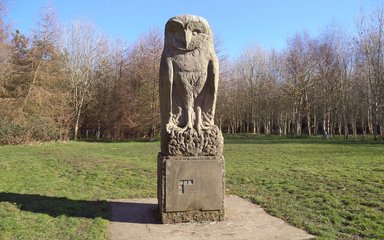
(189, 75)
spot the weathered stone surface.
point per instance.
(206, 142)
(196, 216)
(190, 164)
(189, 75)
(194, 184)
(191, 189)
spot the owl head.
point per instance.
(187, 33)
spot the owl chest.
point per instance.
(191, 70)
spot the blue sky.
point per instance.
(239, 22)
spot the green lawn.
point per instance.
(332, 188)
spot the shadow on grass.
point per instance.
(133, 212)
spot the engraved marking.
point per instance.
(182, 183)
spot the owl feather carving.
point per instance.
(189, 75)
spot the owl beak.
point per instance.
(188, 36)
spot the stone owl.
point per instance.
(189, 75)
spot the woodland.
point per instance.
(71, 81)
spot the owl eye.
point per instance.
(175, 27)
(196, 31)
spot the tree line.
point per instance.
(71, 81)
(332, 84)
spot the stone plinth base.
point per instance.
(192, 216)
(190, 188)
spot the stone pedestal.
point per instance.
(190, 188)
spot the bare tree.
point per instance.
(370, 41)
(4, 51)
(83, 49)
(299, 71)
(253, 67)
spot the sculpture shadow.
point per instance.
(132, 212)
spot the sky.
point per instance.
(239, 23)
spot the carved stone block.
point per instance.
(190, 186)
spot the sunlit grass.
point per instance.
(332, 190)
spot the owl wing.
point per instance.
(165, 85)
(213, 75)
(209, 95)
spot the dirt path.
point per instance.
(133, 219)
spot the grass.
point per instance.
(59, 190)
(331, 188)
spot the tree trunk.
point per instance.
(346, 131)
(375, 122)
(314, 123)
(363, 126)
(370, 127)
(298, 124)
(325, 129)
(345, 119)
(329, 123)
(76, 130)
(309, 122)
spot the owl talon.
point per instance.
(187, 129)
